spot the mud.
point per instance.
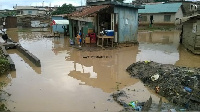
(180, 85)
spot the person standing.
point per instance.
(65, 30)
(4, 34)
(151, 20)
(80, 39)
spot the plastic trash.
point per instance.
(138, 108)
(182, 109)
(71, 42)
(133, 104)
(155, 77)
(188, 89)
(157, 89)
(172, 110)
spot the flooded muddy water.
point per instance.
(75, 80)
(163, 47)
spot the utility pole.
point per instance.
(43, 4)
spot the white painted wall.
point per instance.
(179, 13)
(38, 24)
(159, 18)
(41, 12)
(33, 12)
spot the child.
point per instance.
(80, 39)
(4, 34)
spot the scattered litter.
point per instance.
(155, 77)
(179, 85)
(97, 56)
(188, 89)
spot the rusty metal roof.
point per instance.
(88, 11)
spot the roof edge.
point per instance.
(119, 4)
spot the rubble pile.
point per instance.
(180, 85)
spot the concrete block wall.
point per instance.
(188, 36)
(191, 36)
(197, 42)
(29, 55)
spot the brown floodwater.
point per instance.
(75, 80)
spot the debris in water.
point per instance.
(180, 85)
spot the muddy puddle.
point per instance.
(74, 80)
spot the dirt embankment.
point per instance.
(180, 85)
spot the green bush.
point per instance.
(4, 67)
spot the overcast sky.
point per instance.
(8, 4)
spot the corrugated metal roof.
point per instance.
(61, 22)
(87, 11)
(161, 8)
(184, 19)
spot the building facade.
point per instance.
(190, 37)
(108, 15)
(26, 10)
(167, 13)
(59, 27)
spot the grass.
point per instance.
(157, 27)
(23, 30)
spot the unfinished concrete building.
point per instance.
(190, 36)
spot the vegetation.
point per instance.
(4, 64)
(164, 0)
(161, 0)
(64, 9)
(23, 30)
(8, 13)
(120, 1)
(156, 27)
(12, 13)
(4, 67)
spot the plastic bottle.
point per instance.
(188, 89)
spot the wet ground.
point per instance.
(68, 81)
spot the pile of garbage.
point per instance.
(179, 85)
(133, 105)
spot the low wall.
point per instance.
(29, 55)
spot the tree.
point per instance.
(120, 1)
(64, 9)
(161, 0)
